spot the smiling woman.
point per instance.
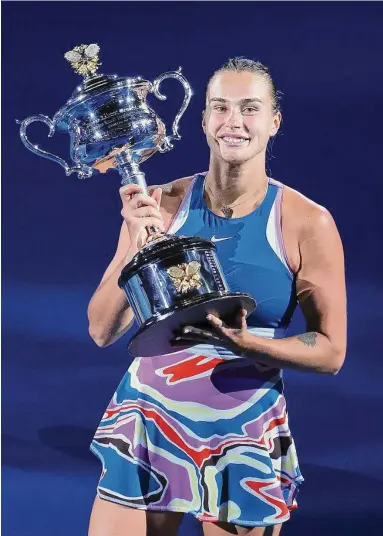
(205, 431)
(223, 103)
(242, 113)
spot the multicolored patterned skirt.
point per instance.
(203, 432)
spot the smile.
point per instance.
(233, 141)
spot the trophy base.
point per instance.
(154, 336)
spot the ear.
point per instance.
(277, 119)
(204, 121)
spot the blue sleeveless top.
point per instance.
(250, 250)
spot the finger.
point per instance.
(243, 319)
(219, 325)
(157, 196)
(128, 190)
(215, 321)
(144, 212)
(151, 222)
(157, 223)
(153, 236)
(142, 200)
(136, 217)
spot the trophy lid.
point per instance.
(162, 248)
(84, 60)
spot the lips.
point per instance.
(233, 140)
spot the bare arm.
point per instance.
(109, 313)
(321, 292)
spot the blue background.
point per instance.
(60, 233)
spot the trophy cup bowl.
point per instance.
(108, 115)
(172, 280)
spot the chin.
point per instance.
(234, 158)
(234, 161)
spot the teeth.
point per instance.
(234, 141)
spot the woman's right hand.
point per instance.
(140, 212)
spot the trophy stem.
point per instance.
(130, 171)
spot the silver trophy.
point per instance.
(173, 280)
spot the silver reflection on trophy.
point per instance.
(173, 280)
(109, 121)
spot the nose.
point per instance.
(235, 119)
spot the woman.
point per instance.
(205, 431)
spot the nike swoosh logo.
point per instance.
(215, 239)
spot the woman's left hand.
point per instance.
(220, 334)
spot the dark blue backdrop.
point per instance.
(60, 233)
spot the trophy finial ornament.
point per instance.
(84, 59)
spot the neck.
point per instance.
(227, 183)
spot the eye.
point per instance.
(219, 108)
(248, 110)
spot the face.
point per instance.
(239, 119)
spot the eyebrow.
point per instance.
(243, 101)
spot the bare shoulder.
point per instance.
(172, 195)
(305, 217)
(174, 189)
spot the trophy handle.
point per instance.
(82, 170)
(167, 145)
